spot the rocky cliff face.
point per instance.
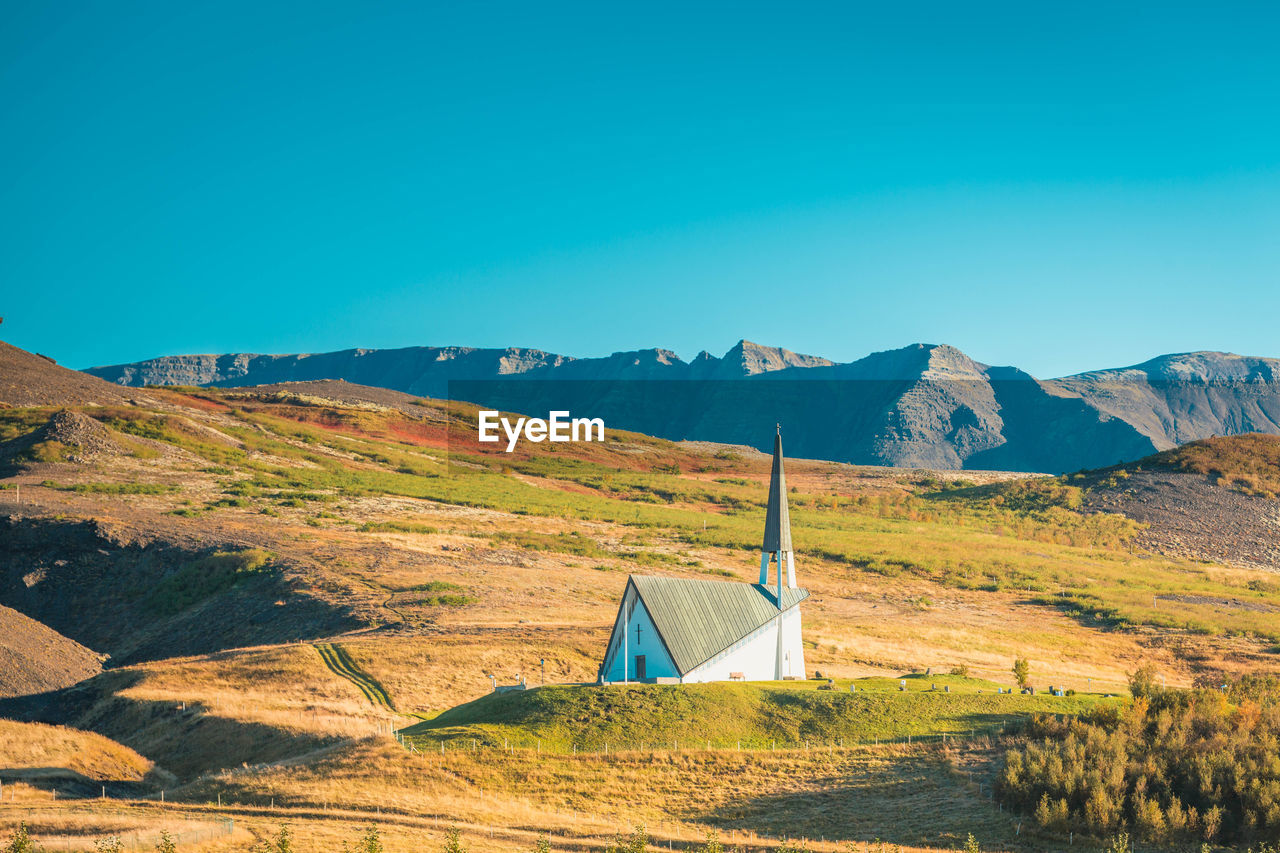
(1174, 399)
(923, 405)
(425, 371)
(748, 359)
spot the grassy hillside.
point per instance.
(1247, 463)
(36, 750)
(264, 458)
(756, 716)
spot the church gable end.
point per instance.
(707, 630)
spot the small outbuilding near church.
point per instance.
(692, 630)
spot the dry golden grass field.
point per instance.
(285, 581)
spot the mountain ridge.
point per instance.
(922, 405)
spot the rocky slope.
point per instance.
(923, 405)
(1189, 516)
(1214, 499)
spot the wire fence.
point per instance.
(55, 827)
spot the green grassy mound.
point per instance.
(755, 715)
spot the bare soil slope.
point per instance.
(27, 379)
(34, 658)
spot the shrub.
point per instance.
(21, 841)
(1142, 681)
(371, 842)
(281, 843)
(1052, 814)
(791, 847)
(1119, 844)
(452, 841)
(1022, 671)
(637, 842)
(712, 844)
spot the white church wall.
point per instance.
(755, 655)
(658, 663)
(793, 643)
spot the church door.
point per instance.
(640, 676)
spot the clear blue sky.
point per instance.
(1061, 187)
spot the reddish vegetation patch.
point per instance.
(416, 432)
(389, 427)
(207, 404)
(460, 436)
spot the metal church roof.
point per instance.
(697, 619)
(777, 519)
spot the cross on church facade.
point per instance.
(637, 635)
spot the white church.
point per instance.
(680, 630)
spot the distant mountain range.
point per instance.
(923, 405)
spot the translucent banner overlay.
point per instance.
(1015, 424)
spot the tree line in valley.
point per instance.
(1173, 766)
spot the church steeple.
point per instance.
(777, 519)
(777, 524)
